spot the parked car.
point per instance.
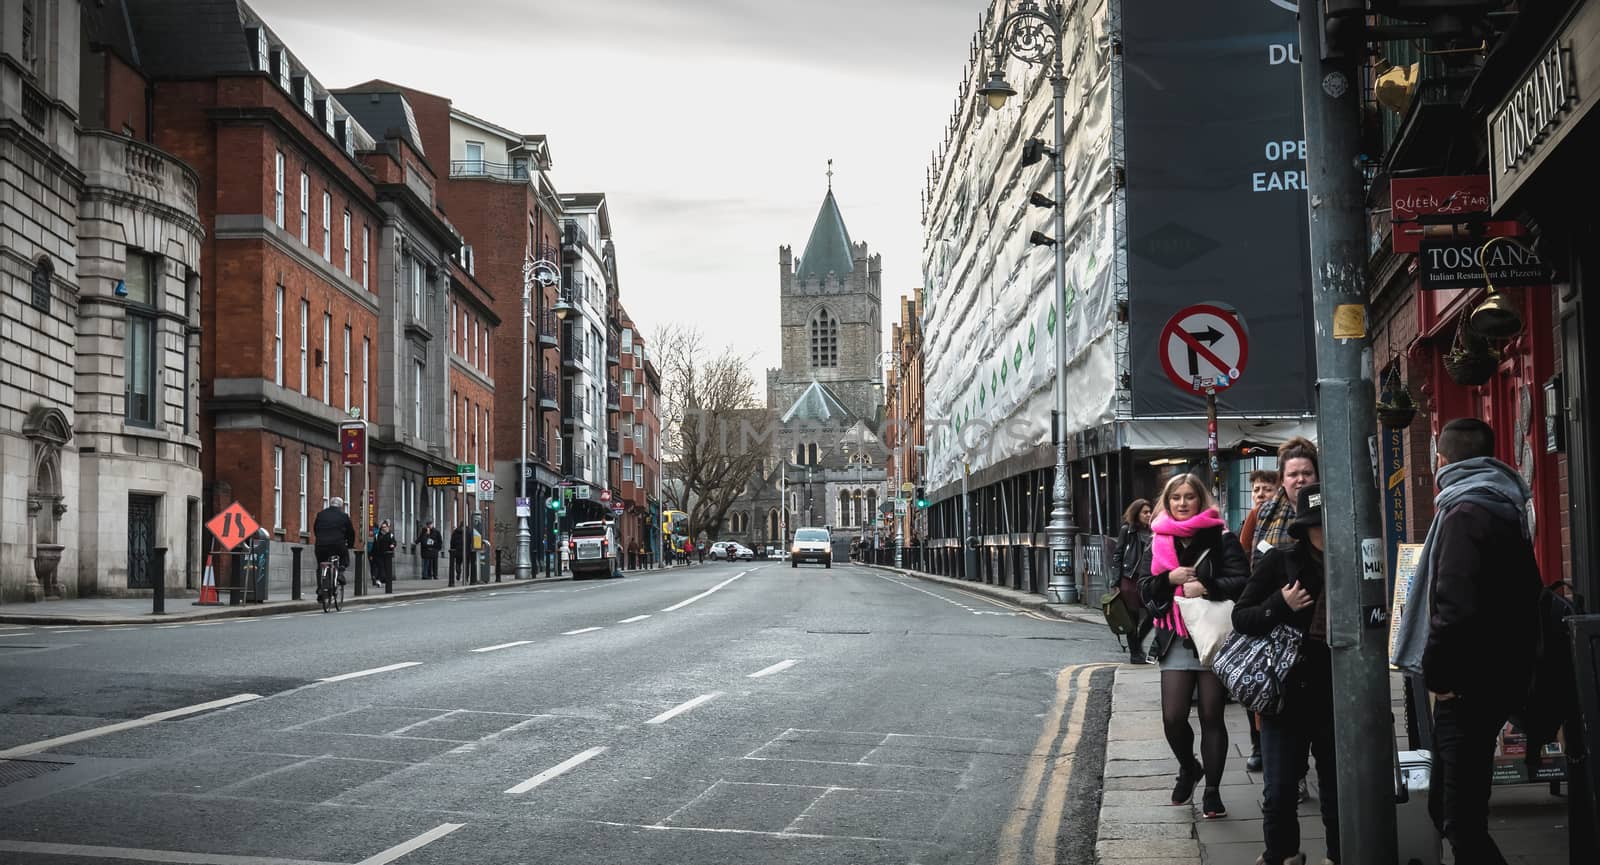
(811, 545)
(743, 553)
(592, 550)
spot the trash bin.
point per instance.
(259, 557)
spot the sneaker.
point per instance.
(1304, 793)
(1188, 776)
(1211, 804)
(1296, 859)
(1253, 762)
(1138, 658)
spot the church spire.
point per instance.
(829, 249)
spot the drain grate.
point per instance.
(17, 771)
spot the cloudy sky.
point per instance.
(708, 123)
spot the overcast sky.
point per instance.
(708, 123)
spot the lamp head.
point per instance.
(996, 91)
(1039, 238)
(1496, 318)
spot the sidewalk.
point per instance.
(1026, 600)
(136, 611)
(1138, 827)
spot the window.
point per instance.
(416, 290)
(450, 423)
(638, 475)
(824, 340)
(366, 244)
(638, 434)
(327, 226)
(277, 489)
(472, 347)
(346, 404)
(627, 340)
(366, 358)
(627, 466)
(638, 389)
(485, 349)
(277, 339)
(417, 419)
(277, 192)
(140, 379)
(473, 150)
(41, 283)
(305, 481)
(627, 382)
(305, 208)
(327, 356)
(844, 508)
(627, 425)
(347, 243)
(305, 341)
(327, 481)
(455, 343)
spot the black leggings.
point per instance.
(1177, 692)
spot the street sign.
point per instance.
(233, 526)
(907, 487)
(1203, 346)
(523, 510)
(486, 489)
(605, 495)
(466, 469)
(619, 507)
(353, 444)
(444, 480)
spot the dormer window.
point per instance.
(303, 93)
(280, 69)
(260, 53)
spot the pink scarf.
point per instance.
(1164, 553)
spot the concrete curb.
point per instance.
(1027, 600)
(273, 608)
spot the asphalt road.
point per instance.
(727, 713)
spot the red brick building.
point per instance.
(636, 476)
(287, 266)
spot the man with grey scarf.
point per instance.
(1470, 628)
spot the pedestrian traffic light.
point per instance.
(920, 497)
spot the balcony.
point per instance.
(572, 354)
(543, 453)
(119, 163)
(612, 402)
(550, 393)
(573, 239)
(549, 330)
(614, 445)
(506, 172)
(613, 338)
(574, 408)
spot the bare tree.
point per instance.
(707, 403)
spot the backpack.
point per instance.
(1118, 617)
(1552, 697)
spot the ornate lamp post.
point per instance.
(545, 273)
(1033, 33)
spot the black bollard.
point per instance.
(158, 578)
(294, 572)
(497, 552)
(361, 572)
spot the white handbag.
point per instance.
(1209, 623)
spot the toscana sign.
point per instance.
(1455, 263)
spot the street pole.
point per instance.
(1358, 629)
(524, 538)
(1213, 461)
(900, 518)
(969, 555)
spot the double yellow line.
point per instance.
(1054, 763)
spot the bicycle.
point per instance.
(330, 584)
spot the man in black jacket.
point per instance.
(1482, 633)
(334, 534)
(430, 543)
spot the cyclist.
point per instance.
(334, 535)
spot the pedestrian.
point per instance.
(1289, 587)
(1192, 552)
(430, 543)
(688, 552)
(457, 545)
(700, 550)
(1471, 628)
(1263, 484)
(383, 546)
(1297, 469)
(1130, 560)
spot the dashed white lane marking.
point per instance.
(372, 672)
(775, 668)
(679, 709)
(95, 732)
(16, 634)
(681, 604)
(503, 646)
(416, 843)
(557, 770)
(631, 620)
(167, 627)
(579, 631)
(71, 631)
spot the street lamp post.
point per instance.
(1033, 33)
(543, 272)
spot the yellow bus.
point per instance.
(674, 530)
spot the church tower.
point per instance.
(831, 320)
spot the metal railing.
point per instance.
(516, 171)
(572, 234)
(549, 326)
(573, 349)
(611, 395)
(550, 388)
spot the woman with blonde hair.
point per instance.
(1192, 552)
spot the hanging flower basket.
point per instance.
(1471, 361)
(1395, 407)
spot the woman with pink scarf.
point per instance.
(1194, 553)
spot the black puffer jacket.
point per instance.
(1261, 608)
(1224, 574)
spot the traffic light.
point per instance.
(920, 497)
